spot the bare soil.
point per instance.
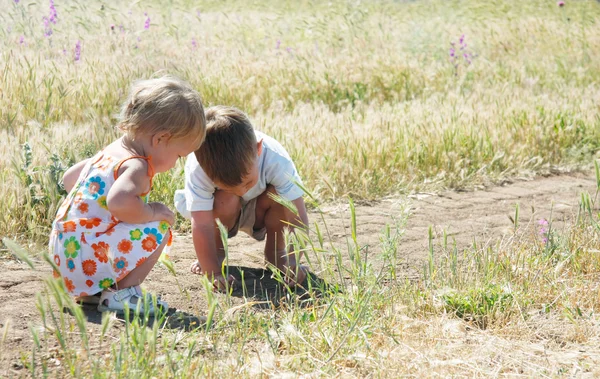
(483, 216)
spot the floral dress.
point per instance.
(92, 249)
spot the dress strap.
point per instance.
(148, 159)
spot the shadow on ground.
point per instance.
(268, 291)
(256, 284)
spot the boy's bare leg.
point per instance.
(276, 218)
(226, 208)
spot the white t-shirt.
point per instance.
(275, 167)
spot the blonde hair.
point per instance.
(230, 145)
(164, 104)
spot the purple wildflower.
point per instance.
(21, 40)
(544, 229)
(194, 44)
(17, 1)
(198, 13)
(112, 27)
(77, 51)
(277, 44)
(147, 23)
(561, 3)
(53, 15)
(47, 27)
(288, 49)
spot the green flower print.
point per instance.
(102, 202)
(105, 283)
(72, 247)
(136, 235)
(163, 227)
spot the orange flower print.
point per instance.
(125, 246)
(149, 244)
(89, 267)
(89, 283)
(57, 259)
(78, 197)
(107, 232)
(83, 207)
(90, 223)
(140, 261)
(83, 240)
(69, 284)
(69, 226)
(104, 163)
(56, 274)
(170, 240)
(120, 265)
(101, 251)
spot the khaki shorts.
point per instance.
(245, 222)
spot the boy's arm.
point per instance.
(123, 199)
(203, 236)
(72, 174)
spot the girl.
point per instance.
(106, 237)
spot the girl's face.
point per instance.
(167, 150)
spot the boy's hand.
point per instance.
(162, 213)
(220, 284)
(295, 275)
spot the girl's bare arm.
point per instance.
(72, 174)
(124, 201)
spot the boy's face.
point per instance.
(247, 183)
(249, 180)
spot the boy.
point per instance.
(232, 177)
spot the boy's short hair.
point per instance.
(164, 104)
(230, 146)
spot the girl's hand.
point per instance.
(162, 213)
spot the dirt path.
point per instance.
(481, 215)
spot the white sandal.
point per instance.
(114, 301)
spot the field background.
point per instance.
(378, 99)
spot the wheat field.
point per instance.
(373, 99)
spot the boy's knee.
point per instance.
(226, 207)
(265, 199)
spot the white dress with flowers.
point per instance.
(92, 249)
